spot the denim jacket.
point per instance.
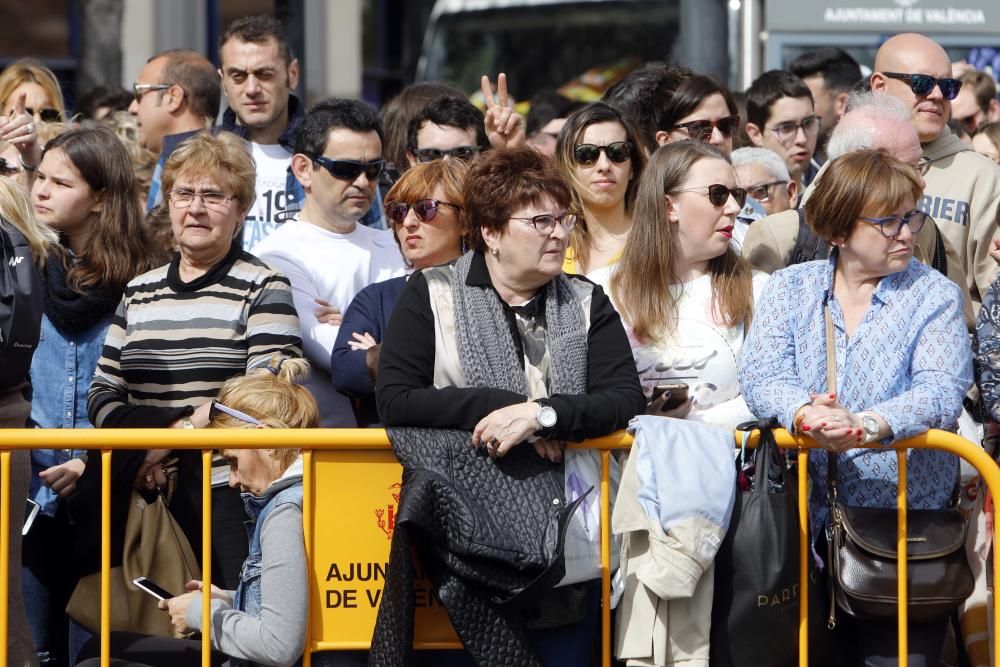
(248, 593)
(61, 371)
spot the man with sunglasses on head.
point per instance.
(176, 95)
(259, 73)
(781, 117)
(962, 189)
(327, 256)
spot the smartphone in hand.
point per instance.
(677, 392)
(144, 584)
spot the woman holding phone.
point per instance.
(685, 296)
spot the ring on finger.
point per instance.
(29, 128)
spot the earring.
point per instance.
(462, 246)
(495, 252)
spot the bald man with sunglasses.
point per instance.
(326, 254)
(962, 189)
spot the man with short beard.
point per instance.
(326, 255)
(963, 187)
(258, 75)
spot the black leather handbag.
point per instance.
(863, 558)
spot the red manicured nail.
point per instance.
(833, 396)
(823, 425)
(859, 431)
(806, 427)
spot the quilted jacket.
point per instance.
(489, 534)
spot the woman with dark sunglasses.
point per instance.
(262, 620)
(700, 110)
(685, 295)
(602, 159)
(29, 96)
(424, 208)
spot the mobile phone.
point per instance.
(677, 391)
(144, 584)
(30, 512)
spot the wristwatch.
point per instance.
(870, 425)
(546, 416)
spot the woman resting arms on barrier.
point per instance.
(264, 620)
(902, 355)
(182, 330)
(685, 295)
(498, 362)
(424, 208)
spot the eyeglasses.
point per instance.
(425, 210)
(47, 114)
(140, 89)
(216, 408)
(762, 192)
(891, 225)
(182, 198)
(718, 194)
(545, 223)
(588, 154)
(348, 170)
(701, 130)
(786, 131)
(463, 153)
(8, 168)
(923, 84)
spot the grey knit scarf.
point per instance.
(486, 349)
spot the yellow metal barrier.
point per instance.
(373, 440)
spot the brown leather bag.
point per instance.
(862, 551)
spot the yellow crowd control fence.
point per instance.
(351, 489)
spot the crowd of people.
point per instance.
(820, 249)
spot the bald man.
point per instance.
(963, 188)
(870, 122)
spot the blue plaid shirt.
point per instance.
(908, 361)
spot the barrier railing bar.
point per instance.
(5, 459)
(901, 564)
(307, 520)
(375, 439)
(105, 557)
(805, 552)
(606, 558)
(206, 557)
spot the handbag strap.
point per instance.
(831, 384)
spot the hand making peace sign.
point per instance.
(19, 130)
(504, 126)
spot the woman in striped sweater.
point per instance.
(182, 330)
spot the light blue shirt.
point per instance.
(909, 361)
(61, 370)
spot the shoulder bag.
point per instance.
(862, 550)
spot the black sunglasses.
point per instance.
(425, 209)
(718, 194)
(47, 115)
(702, 129)
(588, 154)
(923, 84)
(348, 170)
(8, 168)
(464, 153)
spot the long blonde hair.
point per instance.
(29, 70)
(641, 283)
(15, 208)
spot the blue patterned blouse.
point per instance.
(908, 361)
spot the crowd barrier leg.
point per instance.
(901, 565)
(307, 520)
(804, 553)
(5, 458)
(105, 557)
(605, 558)
(206, 557)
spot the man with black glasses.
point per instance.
(176, 95)
(324, 252)
(781, 117)
(962, 187)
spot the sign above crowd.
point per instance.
(954, 16)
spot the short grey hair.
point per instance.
(867, 112)
(765, 157)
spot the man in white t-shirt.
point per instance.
(258, 74)
(324, 252)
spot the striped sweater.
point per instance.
(172, 345)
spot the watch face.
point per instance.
(547, 416)
(871, 426)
